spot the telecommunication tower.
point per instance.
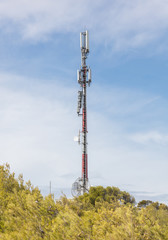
(81, 185)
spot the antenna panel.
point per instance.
(87, 41)
(78, 76)
(89, 75)
(81, 40)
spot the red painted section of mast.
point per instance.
(84, 131)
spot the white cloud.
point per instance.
(38, 122)
(150, 137)
(36, 126)
(118, 101)
(127, 24)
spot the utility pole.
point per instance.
(50, 187)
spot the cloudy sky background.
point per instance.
(127, 101)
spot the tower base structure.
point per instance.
(79, 188)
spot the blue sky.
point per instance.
(127, 101)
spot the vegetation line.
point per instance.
(103, 213)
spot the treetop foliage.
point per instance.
(109, 194)
(103, 213)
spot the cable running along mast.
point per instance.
(81, 185)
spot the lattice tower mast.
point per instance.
(84, 79)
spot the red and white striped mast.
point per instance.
(81, 185)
